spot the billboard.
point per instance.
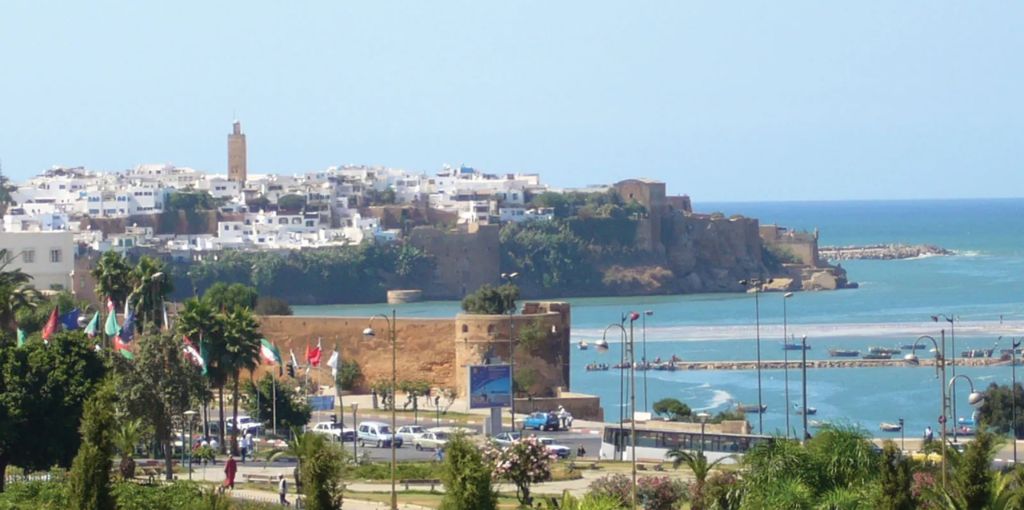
(490, 386)
(321, 403)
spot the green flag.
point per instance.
(21, 337)
(111, 328)
(269, 353)
(205, 354)
(93, 326)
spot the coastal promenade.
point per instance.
(826, 363)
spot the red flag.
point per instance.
(51, 325)
(313, 354)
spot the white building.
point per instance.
(48, 257)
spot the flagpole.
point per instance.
(273, 386)
(337, 387)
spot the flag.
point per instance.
(128, 328)
(111, 328)
(122, 347)
(333, 363)
(313, 354)
(192, 354)
(167, 323)
(295, 362)
(70, 319)
(51, 325)
(269, 353)
(93, 326)
(204, 353)
(21, 337)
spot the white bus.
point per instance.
(653, 441)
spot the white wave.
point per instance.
(968, 253)
(719, 398)
(773, 332)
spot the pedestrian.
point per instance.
(243, 449)
(251, 440)
(230, 470)
(282, 490)
(581, 451)
(928, 434)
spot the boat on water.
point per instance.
(752, 408)
(977, 353)
(890, 427)
(596, 367)
(874, 349)
(817, 424)
(811, 411)
(788, 346)
(910, 347)
(877, 355)
(843, 353)
(583, 345)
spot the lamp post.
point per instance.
(355, 454)
(393, 334)
(755, 284)
(643, 357)
(940, 373)
(975, 399)
(602, 346)
(1013, 394)
(510, 307)
(803, 368)
(703, 422)
(951, 319)
(190, 417)
(785, 354)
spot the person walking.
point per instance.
(230, 470)
(928, 434)
(282, 490)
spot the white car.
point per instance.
(409, 433)
(335, 430)
(245, 424)
(431, 441)
(560, 450)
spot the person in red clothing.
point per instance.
(230, 469)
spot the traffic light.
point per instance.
(334, 419)
(291, 370)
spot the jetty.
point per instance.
(830, 363)
(882, 252)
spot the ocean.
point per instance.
(981, 286)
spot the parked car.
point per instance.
(245, 423)
(431, 440)
(409, 433)
(541, 421)
(336, 431)
(506, 438)
(376, 433)
(561, 451)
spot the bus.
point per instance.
(654, 440)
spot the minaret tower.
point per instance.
(236, 154)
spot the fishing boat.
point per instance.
(911, 347)
(583, 345)
(877, 355)
(890, 427)
(977, 353)
(843, 353)
(596, 367)
(811, 411)
(883, 350)
(752, 408)
(788, 346)
(817, 424)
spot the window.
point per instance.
(55, 255)
(29, 256)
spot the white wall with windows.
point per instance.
(48, 256)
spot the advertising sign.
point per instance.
(490, 386)
(321, 403)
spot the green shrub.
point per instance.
(466, 477)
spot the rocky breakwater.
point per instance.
(882, 252)
(827, 363)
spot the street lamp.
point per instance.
(633, 317)
(951, 319)
(756, 284)
(1013, 394)
(703, 422)
(393, 334)
(940, 373)
(190, 416)
(355, 456)
(510, 307)
(643, 358)
(785, 354)
(803, 368)
(602, 348)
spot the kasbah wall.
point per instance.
(438, 351)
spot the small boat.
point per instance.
(977, 353)
(811, 411)
(883, 350)
(890, 427)
(817, 424)
(843, 353)
(752, 408)
(911, 347)
(787, 346)
(583, 345)
(596, 367)
(877, 356)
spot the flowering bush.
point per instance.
(525, 462)
(652, 492)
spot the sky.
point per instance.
(724, 101)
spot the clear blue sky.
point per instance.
(757, 100)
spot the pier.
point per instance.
(821, 363)
(881, 252)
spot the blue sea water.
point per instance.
(981, 286)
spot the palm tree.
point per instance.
(201, 323)
(151, 286)
(700, 467)
(113, 277)
(302, 447)
(125, 440)
(15, 292)
(241, 352)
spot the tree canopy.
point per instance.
(491, 300)
(234, 296)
